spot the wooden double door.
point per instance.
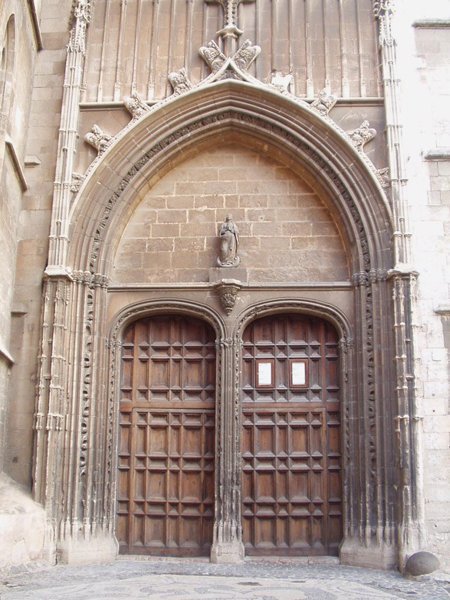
(290, 437)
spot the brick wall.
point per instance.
(286, 233)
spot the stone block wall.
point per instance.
(427, 86)
(33, 230)
(18, 49)
(286, 232)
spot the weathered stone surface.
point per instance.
(421, 563)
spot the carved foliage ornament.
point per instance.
(324, 102)
(228, 290)
(80, 19)
(282, 82)
(179, 81)
(363, 134)
(98, 139)
(136, 106)
(242, 58)
(77, 182)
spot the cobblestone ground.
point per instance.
(172, 579)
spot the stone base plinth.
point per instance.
(26, 536)
(94, 549)
(375, 556)
(227, 552)
(219, 273)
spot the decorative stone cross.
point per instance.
(230, 11)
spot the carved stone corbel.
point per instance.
(179, 81)
(363, 134)
(228, 290)
(324, 102)
(136, 106)
(98, 139)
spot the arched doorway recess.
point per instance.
(165, 497)
(290, 437)
(79, 295)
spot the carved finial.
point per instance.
(362, 135)
(80, 19)
(228, 290)
(230, 11)
(179, 81)
(136, 106)
(282, 82)
(228, 244)
(382, 8)
(324, 102)
(81, 9)
(213, 56)
(98, 139)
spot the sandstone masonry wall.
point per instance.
(286, 232)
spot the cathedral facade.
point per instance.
(225, 297)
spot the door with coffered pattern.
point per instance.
(165, 491)
(291, 460)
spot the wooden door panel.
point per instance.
(291, 480)
(166, 449)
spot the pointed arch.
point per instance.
(180, 126)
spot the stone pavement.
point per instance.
(189, 579)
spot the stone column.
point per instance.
(369, 533)
(227, 544)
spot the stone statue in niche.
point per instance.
(229, 243)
